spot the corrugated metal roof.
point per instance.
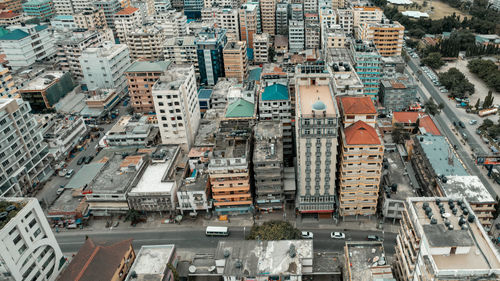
(240, 108)
(275, 92)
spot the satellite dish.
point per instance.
(192, 269)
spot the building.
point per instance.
(63, 23)
(110, 8)
(316, 130)
(236, 61)
(392, 66)
(296, 36)
(334, 37)
(387, 36)
(27, 239)
(42, 9)
(227, 18)
(12, 5)
(181, 50)
(132, 131)
(327, 17)
(268, 166)
(141, 77)
(345, 19)
(173, 23)
(261, 48)
(345, 79)
(98, 104)
(63, 7)
(296, 12)
(104, 67)
(156, 190)
(176, 105)
(397, 94)
(366, 261)
(152, 263)
(146, 7)
(10, 18)
(91, 18)
(357, 108)
(443, 247)
(268, 16)
(281, 19)
(126, 21)
(63, 135)
(368, 64)
(22, 50)
(360, 169)
(100, 261)
(366, 14)
(146, 43)
(248, 23)
(312, 36)
(8, 87)
(209, 49)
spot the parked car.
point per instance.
(473, 122)
(461, 124)
(337, 235)
(80, 161)
(89, 159)
(374, 238)
(70, 173)
(478, 132)
(60, 189)
(307, 235)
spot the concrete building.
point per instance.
(110, 8)
(132, 131)
(29, 248)
(141, 77)
(392, 66)
(10, 18)
(296, 12)
(173, 23)
(156, 190)
(228, 18)
(236, 61)
(443, 247)
(21, 50)
(146, 43)
(181, 50)
(387, 36)
(327, 17)
(316, 130)
(152, 263)
(248, 23)
(91, 18)
(345, 80)
(296, 36)
(13, 5)
(310, 6)
(268, 16)
(261, 48)
(268, 166)
(176, 106)
(346, 20)
(63, 135)
(63, 23)
(126, 21)
(209, 48)
(8, 87)
(146, 7)
(161, 6)
(312, 36)
(360, 169)
(338, 4)
(366, 14)
(104, 67)
(63, 7)
(366, 261)
(357, 108)
(281, 19)
(397, 94)
(334, 37)
(367, 62)
(41, 9)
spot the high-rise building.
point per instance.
(296, 38)
(126, 21)
(365, 14)
(312, 36)
(236, 61)
(173, 23)
(8, 88)
(310, 6)
(346, 20)
(441, 239)
(23, 154)
(63, 7)
(192, 8)
(104, 67)
(10, 18)
(268, 14)
(91, 18)
(12, 5)
(42, 9)
(387, 36)
(209, 47)
(227, 18)
(141, 77)
(29, 250)
(338, 4)
(248, 23)
(110, 8)
(282, 18)
(398, 93)
(176, 105)
(316, 131)
(296, 12)
(161, 6)
(261, 48)
(146, 42)
(368, 64)
(181, 50)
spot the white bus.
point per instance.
(217, 231)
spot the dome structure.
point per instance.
(318, 106)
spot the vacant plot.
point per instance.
(440, 10)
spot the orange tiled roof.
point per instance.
(429, 126)
(361, 133)
(407, 117)
(131, 160)
(8, 15)
(127, 11)
(357, 105)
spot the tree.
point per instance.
(433, 60)
(274, 230)
(441, 106)
(478, 104)
(133, 216)
(456, 82)
(431, 107)
(399, 134)
(488, 100)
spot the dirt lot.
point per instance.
(441, 9)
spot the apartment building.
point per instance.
(310, 6)
(281, 19)
(173, 23)
(387, 36)
(236, 61)
(146, 42)
(70, 47)
(248, 23)
(312, 36)
(436, 247)
(41, 9)
(63, 135)
(338, 4)
(146, 7)
(345, 79)
(261, 45)
(104, 67)
(63, 23)
(345, 19)
(398, 94)
(327, 17)
(360, 169)
(25, 45)
(24, 155)
(110, 8)
(209, 49)
(334, 37)
(10, 18)
(296, 12)
(126, 21)
(176, 105)
(91, 18)
(357, 108)
(161, 6)
(137, 130)
(366, 14)
(316, 130)
(368, 64)
(141, 77)
(227, 18)
(268, 16)
(29, 249)
(296, 36)
(13, 5)
(63, 7)
(181, 50)
(8, 88)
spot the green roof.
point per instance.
(275, 92)
(16, 34)
(240, 108)
(148, 66)
(3, 31)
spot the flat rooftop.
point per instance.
(437, 150)
(232, 144)
(151, 262)
(365, 259)
(311, 95)
(173, 78)
(130, 124)
(470, 187)
(396, 175)
(268, 142)
(477, 251)
(67, 202)
(206, 130)
(43, 81)
(153, 179)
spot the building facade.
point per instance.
(181, 50)
(209, 49)
(42, 9)
(397, 94)
(387, 36)
(368, 64)
(8, 87)
(261, 48)
(236, 61)
(248, 23)
(126, 21)
(91, 18)
(268, 16)
(282, 19)
(296, 38)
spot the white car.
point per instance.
(337, 235)
(307, 235)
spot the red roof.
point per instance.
(357, 105)
(429, 126)
(361, 133)
(8, 15)
(407, 117)
(128, 11)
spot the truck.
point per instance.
(486, 112)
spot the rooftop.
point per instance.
(427, 126)
(361, 133)
(85, 175)
(407, 116)
(268, 143)
(130, 125)
(128, 11)
(180, 41)
(233, 144)
(148, 66)
(173, 78)
(240, 108)
(205, 94)
(8, 15)
(70, 201)
(311, 95)
(394, 174)
(367, 261)
(438, 152)
(43, 81)
(470, 187)
(151, 262)
(275, 92)
(9, 207)
(357, 105)
(254, 74)
(153, 179)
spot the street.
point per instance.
(194, 238)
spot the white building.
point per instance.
(312, 36)
(63, 23)
(22, 152)
(261, 48)
(296, 37)
(311, 6)
(346, 20)
(172, 22)
(104, 67)
(132, 131)
(146, 42)
(29, 250)
(126, 21)
(161, 6)
(63, 7)
(181, 50)
(25, 45)
(228, 18)
(177, 108)
(63, 134)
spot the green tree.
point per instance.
(274, 230)
(478, 104)
(433, 60)
(456, 82)
(133, 216)
(488, 100)
(399, 134)
(431, 107)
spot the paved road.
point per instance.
(194, 238)
(446, 127)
